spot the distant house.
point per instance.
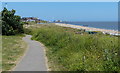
(57, 21)
(26, 19)
(33, 19)
(30, 20)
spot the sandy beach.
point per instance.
(111, 32)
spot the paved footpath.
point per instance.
(34, 59)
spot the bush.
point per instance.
(11, 23)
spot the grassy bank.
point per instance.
(0, 53)
(75, 50)
(13, 48)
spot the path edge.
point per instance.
(46, 59)
(21, 57)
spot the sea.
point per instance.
(101, 25)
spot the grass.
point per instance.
(13, 48)
(75, 50)
(0, 53)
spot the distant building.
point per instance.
(57, 21)
(26, 19)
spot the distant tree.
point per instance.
(11, 23)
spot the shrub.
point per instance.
(11, 23)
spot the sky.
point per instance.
(67, 11)
(59, 0)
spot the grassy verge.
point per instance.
(13, 48)
(0, 53)
(75, 50)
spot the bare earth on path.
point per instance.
(34, 59)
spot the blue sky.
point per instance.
(60, 0)
(67, 11)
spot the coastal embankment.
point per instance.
(104, 31)
(69, 49)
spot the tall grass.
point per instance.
(69, 51)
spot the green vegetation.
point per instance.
(0, 44)
(67, 49)
(41, 21)
(75, 50)
(0, 53)
(13, 47)
(11, 23)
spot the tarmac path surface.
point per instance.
(34, 58)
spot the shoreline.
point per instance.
(104, 31)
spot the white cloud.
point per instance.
(59, 0)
